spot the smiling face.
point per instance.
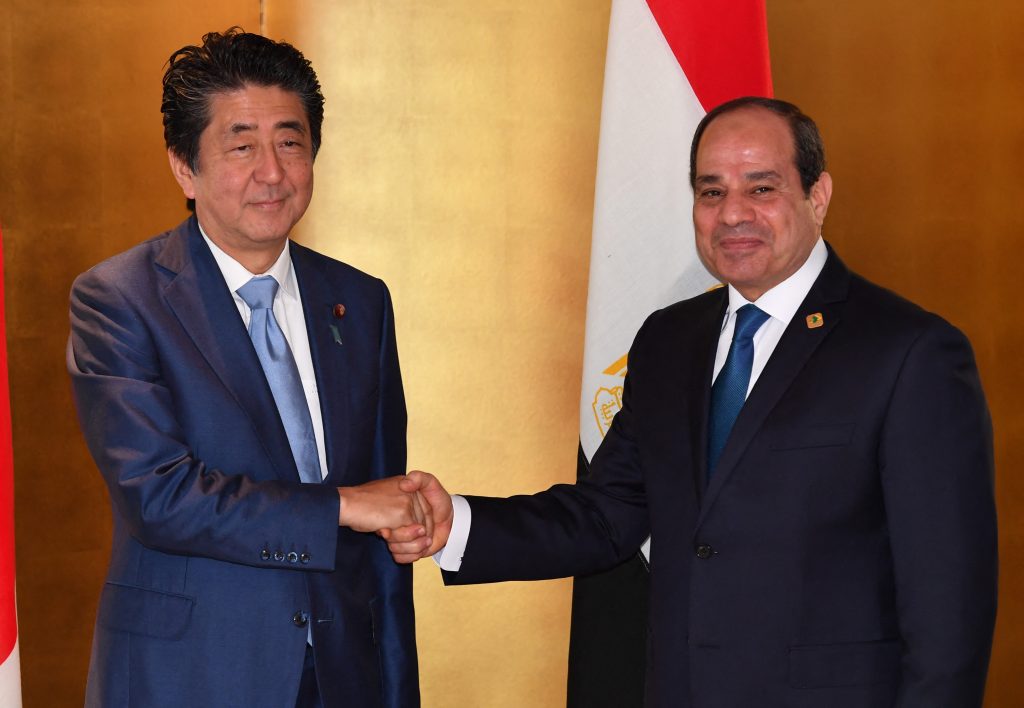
(255, 174)
(754, 225)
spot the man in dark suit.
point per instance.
(241, 396)
(810, 452)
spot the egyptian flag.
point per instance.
(10, 665)
(668, 63)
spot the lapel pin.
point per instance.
(336, 334)
(814, 321)
(339, 311)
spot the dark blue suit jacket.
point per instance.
(219, 553)
(843, 554)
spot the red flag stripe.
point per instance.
(722, 46)
(8, 618)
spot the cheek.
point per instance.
(703, 226)
(702, 238)
(305, 180)
(226, 185)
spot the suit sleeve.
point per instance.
(937, 475)
(569, 529)
(397, 638)
(170, 499)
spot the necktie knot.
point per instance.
(749, 319)
(259, 293)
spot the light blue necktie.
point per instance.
(730, 389)
(282, 375)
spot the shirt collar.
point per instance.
(782, 301)
(236, 275)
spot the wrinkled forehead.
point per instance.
(750, 135)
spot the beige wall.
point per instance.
(458, 164)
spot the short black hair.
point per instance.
(229, 62)
(809, 151)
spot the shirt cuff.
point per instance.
(450, 557)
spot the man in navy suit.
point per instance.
(832, 544)
(242, 570)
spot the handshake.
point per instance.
(413, 513)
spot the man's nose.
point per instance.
(269, 168)
(735, 209)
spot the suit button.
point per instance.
(265, 554)
(705, 551)
(300, 619)
(304, 558)
(278, 556)
(293, 557)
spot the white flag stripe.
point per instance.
(10, 680)
(643, 255)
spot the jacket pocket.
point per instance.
(127, 608)
(835, 665)
(812, 436)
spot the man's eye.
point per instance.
(763, 190)
(710, 193)
(243, 148)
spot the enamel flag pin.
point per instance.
(814, 321)
(338, 311)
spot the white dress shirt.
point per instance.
(780, 304)
(289, 315)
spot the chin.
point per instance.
(271, 231)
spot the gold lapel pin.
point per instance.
(814, 321)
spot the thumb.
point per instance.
(412, 482)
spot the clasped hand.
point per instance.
(413, 513)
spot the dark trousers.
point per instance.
(309, 694)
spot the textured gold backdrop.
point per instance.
(458, 164)
(83, 175)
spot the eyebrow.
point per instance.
(707, 179)
(763, 175)
(295, 125)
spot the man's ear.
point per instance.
(183, 173)
(821, 195)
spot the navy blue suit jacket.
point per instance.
(219, 553)
(844, 552)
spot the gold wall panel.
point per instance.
(920, 105)
(83, 175)
(458, 165)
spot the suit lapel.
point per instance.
(330, 358)
(675, 359)
(796, 346)
(200, 300)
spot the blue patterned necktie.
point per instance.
(282, 375)
(730, 389)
